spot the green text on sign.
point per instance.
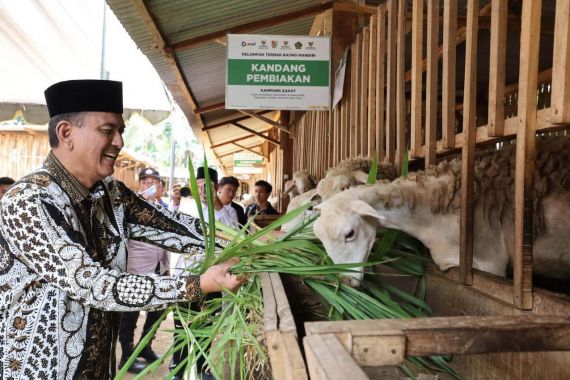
(277, 72)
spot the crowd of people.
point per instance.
(81, 254)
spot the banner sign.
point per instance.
(278, 72)
(248, 163)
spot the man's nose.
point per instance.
(118, 140)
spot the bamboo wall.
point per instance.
(23, 152)
(392, 104)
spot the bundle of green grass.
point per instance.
(228, 331)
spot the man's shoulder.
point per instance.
(36, 183)
(237, 207)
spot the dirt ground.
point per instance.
(160, 345)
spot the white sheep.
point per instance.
(426, 205)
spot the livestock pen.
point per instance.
(404, 93)
(428, 77)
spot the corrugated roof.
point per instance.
(203, 66)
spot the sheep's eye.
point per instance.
(349, 236)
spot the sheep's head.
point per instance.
(347, 227)
(340, 181)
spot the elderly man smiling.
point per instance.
(64, 231)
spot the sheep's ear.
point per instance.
(316, 198)
(361, 177)
(365, 210)
(292, 186)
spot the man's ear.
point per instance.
(63, 131)
(366, 211)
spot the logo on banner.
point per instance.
(298, 45)
(263, 45)
(274, 44)
(311, 47)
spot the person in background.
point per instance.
(160, 193)
(143, 258)
(64, 230)
(5, 183)
(262, 206)
(223, 213)
(227, 190)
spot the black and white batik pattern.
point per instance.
(63, 253)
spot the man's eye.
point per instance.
(106, 131)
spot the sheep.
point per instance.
(301, 182)
(349, 172)
(427, 204)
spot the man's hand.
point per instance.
(217, 278)
(176, 195)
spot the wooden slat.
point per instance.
(254, 132)
(357, 97)
(363, 118)
(560, 99)
(270, 318)
(327, 359)
(400, 86)
(526, 153)
(372, 78)
(448, 79)
(497, 66)
(391, 81)
(468, 150)
(285, 356)
(446, 335)
(353, 99)
(210, 108)
(267, 120)
(380, 80)
(431, 81)
(417, 56)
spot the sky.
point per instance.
(46, 41)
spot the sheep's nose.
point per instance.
(351, 281)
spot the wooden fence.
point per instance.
(403, 94)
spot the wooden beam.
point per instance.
(380, 80)
(364, 83)
(252, 26)
(373, 61)
(468, 150)
(445, 335)
(229, 121)
(232, 141)
(460, 37)
(354, 8)
(391, 81)
(400, 86)
(257, 116)
(526, 154)
(417, 52)
(328, 359)
(251, 150)
(431, 82)
(212, 107)
(449, 79)
(271, 140)
(497, 67)
(561, 62)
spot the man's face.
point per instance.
(146, 183)
(3, 190)
(227, 193)
(97, 143)
(159, 190)
(261, 194)
(202, 188)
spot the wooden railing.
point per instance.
(381, 112)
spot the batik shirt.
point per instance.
(63, 257)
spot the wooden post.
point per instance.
(496, 124)
(400, 86)
(468, 149)
(380, 80)
(560, 99)
(448, 79)
(391, 82)
(526, 153)
(372, 86)
(357, 97)
(352, 104)
(431, 81)
(417, 48)
(363, 146)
